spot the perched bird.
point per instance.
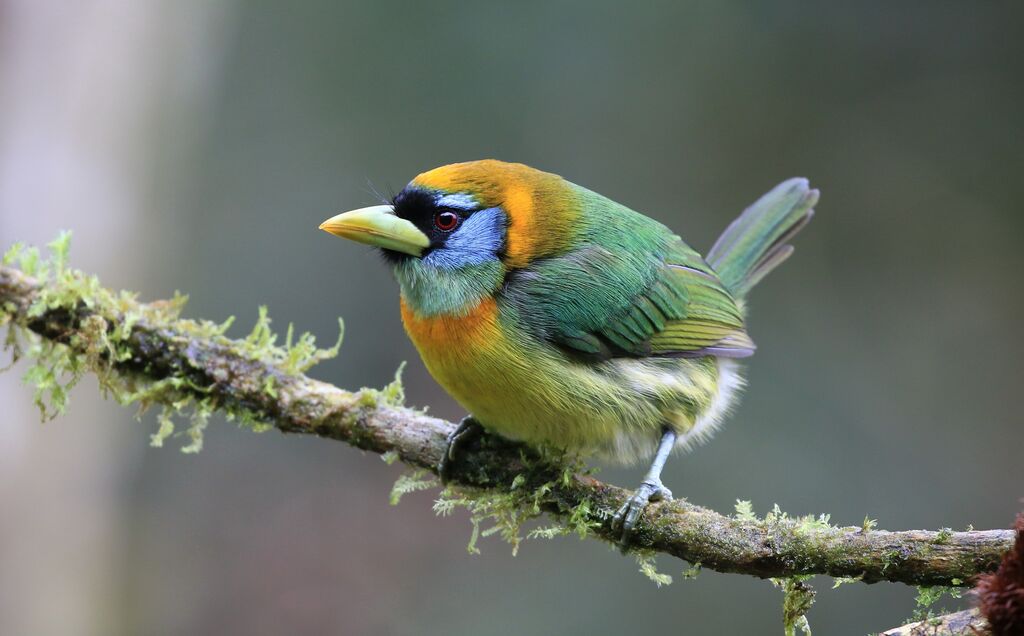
(557, 316)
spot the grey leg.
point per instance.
(467, 429)
(651, 489)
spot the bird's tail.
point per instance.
(757, 242)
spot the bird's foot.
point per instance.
(629, 513)
(467, 430)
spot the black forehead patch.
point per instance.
(416, 205)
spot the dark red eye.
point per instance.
(446, 221)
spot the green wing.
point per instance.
(613, 300)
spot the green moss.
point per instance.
(581, 520)
(692, 572)
(260, 341)
(268, 386)
(394, 393)
(52, 374)
(368, 398)
(198, 421)
(298, 355)
(59, 248)
(943, 537)
(165, 420)
(645, 559)
(12, 254)
(808, 526)
(927, 597)
(28, 260)
(745, 510)
(303, 354)
(102, 341)
(844, 580)
(412, 481)
(798, 597)
(891, 558)
(504, 513)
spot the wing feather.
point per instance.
(603, 303)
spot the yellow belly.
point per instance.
(524, 390)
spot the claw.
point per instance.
(467, 429)
(627, 516)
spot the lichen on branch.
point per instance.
(70, 325)
(147, 354)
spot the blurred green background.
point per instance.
(197, 145)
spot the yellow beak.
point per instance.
(378, 226)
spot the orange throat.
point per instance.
(449, 335)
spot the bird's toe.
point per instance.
(627, 516)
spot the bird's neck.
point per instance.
(434, 291)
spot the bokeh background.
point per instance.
(196, 146)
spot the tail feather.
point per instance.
(758, 241)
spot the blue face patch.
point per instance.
(463, 202)
(477, 241)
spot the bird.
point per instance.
(560, 318)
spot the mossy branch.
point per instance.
(145, 353)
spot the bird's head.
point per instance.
(455, 231)
(467, 213)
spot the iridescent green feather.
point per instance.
(631, 288)
(756, 242)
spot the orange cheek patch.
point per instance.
(522, 229)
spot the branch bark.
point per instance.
(216, 368)
(963, 623)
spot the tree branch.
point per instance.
(963, 623)
(146, 344)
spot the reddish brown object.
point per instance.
(1001, 595)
